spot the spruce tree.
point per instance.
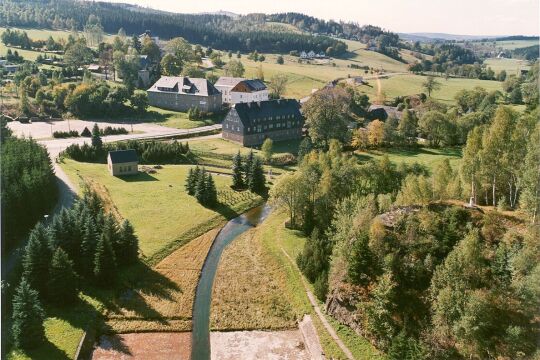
(88, 247)
(238, 180)
(96, 137)
(104, 261)
(36, 259)
(28, 315)
(63, 233)
(129, 244)
(190, 188)
(257, 180)
(201, 191)
(62, 285)
(111, 233)
(211, 196)
(247, 167)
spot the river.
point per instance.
(203, 297)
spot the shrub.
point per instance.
(65, 134)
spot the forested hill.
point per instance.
(217, 31)
(346, 30)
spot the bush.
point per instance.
(109, 130)
(65, 134)
(86, 132)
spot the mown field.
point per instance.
(428, 157)
(515, 44)
(511, 66)
(163, 214)
(409, 84)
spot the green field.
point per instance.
(163, 214)
(511, 66)
(174, 119)
(410, 84)
(516, 44)
(428, 157)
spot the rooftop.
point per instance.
(123, 156)
(248, 112)
(184, 85)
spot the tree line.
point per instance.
(150, 152)
(216, 31)
(82, 244)
(28, 185)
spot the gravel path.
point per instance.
(321, 316)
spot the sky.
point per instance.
(463, 17)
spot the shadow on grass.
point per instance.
(46, 351)
(139, 177)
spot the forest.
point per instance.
(216, 31)
(28, 185)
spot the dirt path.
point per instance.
(325, 322)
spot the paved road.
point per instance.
(67, 190)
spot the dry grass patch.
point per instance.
(250, 290)
(162, 298)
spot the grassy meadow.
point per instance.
(409, 84)
(163, 214)
(515, 44)
(511, 66)
(428, 157)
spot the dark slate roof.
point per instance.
(185, 85)
(123, 156)
(248, 112)
(255, 84)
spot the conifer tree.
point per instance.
(189, 182)
(36, 259)
(238, 180)
(257, 180)
(88, 247)
(211, 196)
(129, 244)
(96, 137)
(62, 284)
(247, 167)
(104, 261)
(27, 327)
(63, 233)
(200, 191)
(111, 233)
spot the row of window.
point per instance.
(125, 168)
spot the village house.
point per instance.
(182, 93)
(122, 162)
(251, 123)
(240, 90)
(383, 112)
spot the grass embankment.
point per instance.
(255, 279)
(163, 214)
(161, 299)
(429, 157)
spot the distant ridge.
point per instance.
(428, 37)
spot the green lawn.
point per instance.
(412, 84)
(163, 214)
(515, 44)
(63, 330)
(511, 66)
(176, 119)
(426, 156)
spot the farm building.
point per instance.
(240, 90)
(183, 93)
(251, 123)
(122, 162)
(383, 112)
